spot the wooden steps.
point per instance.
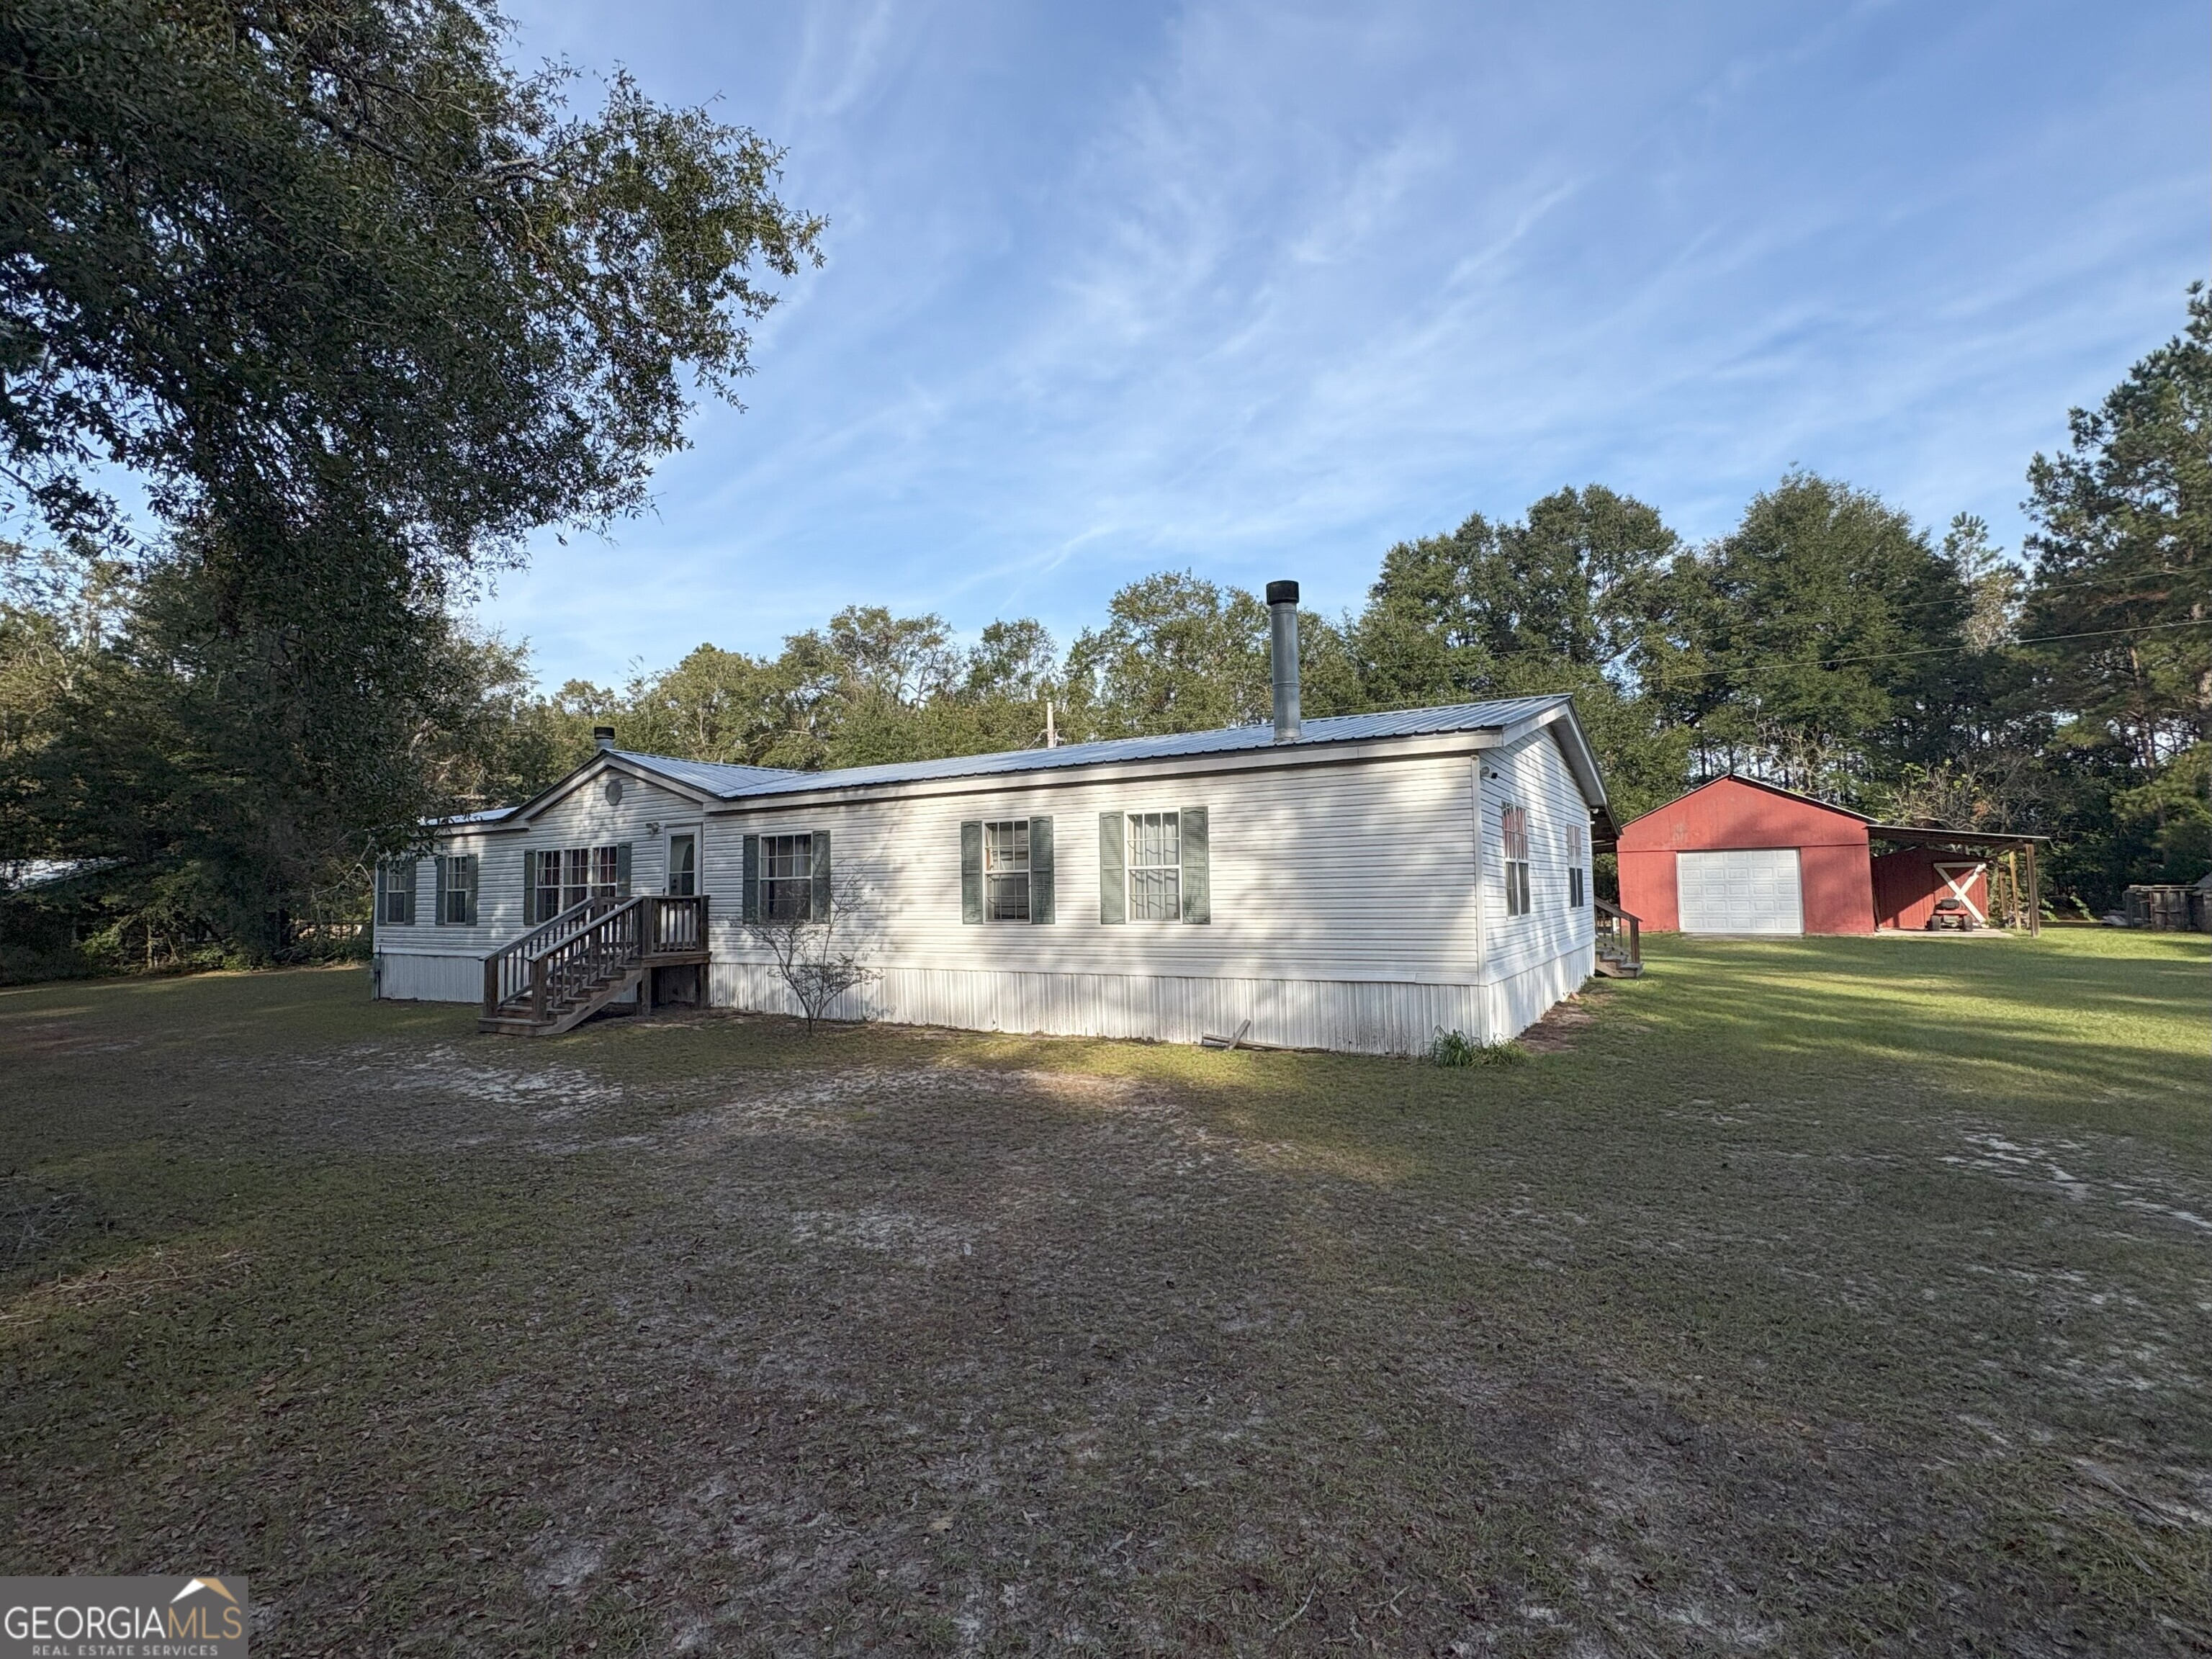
(559, 975)
(564, 1013)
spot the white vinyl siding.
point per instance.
(1741, 891)
(1299, 937)
(1533, 776)
(507, 874)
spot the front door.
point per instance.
(684, 864)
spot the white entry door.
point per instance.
(1740, 892)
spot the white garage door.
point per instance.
(1740, 892)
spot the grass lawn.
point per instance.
(1838, 1296)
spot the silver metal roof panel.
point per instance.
(746, 782)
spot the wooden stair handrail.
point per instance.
(587, 947)
(1615, 916)
(507, 969)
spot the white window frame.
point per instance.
(394, 896)
(1513, 840)
(1006, 871)
(1159, 879)
(795, 848)
(581, 872)
(454, 896)
(1577, 861)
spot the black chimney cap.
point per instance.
(603, 734)
(1282, 593)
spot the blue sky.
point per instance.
(1258, 289)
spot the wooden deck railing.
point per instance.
(679, 926)
(507, 970)
(1610, 921)
(590, 943)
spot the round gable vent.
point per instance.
(614, 791)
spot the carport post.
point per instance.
(2034, 896)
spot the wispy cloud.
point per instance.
(1261, 288)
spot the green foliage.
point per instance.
(276, 261)
(359, 306)
(1453, 1049)
(2121, 605)
(1178, 654)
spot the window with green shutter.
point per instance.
(395, 899)
(1156, 866)
(787, 878)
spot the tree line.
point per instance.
(1826, 642)
(357, 304)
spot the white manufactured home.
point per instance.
(1356, 882)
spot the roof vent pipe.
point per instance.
(1283, 657)
(603, 736)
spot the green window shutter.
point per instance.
(529, 887)
(1197, 867)
(1041, 883)
(1113, 889)
(408, 871)
(622, 871)
(819, 907)
(468, 886)
(971, 871)
(437, 898)
(752, 902)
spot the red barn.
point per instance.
(1739, 856)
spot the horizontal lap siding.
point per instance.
(1342, 901)
(1341, 872)
(1534, 773)
(584, 819)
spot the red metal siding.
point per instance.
(1728, 813)
(1906, 884)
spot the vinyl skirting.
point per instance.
(1370, 1017)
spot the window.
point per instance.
(1006, 871)
(547, 886)
(786, 877)
(395, 892)
(565, 877)
(1577, 852)
(457, 890)
(1513, 825)
(683, 867)
(1155, 854)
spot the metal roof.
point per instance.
(746, 782)
(715, 777)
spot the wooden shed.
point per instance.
(1740, 856)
